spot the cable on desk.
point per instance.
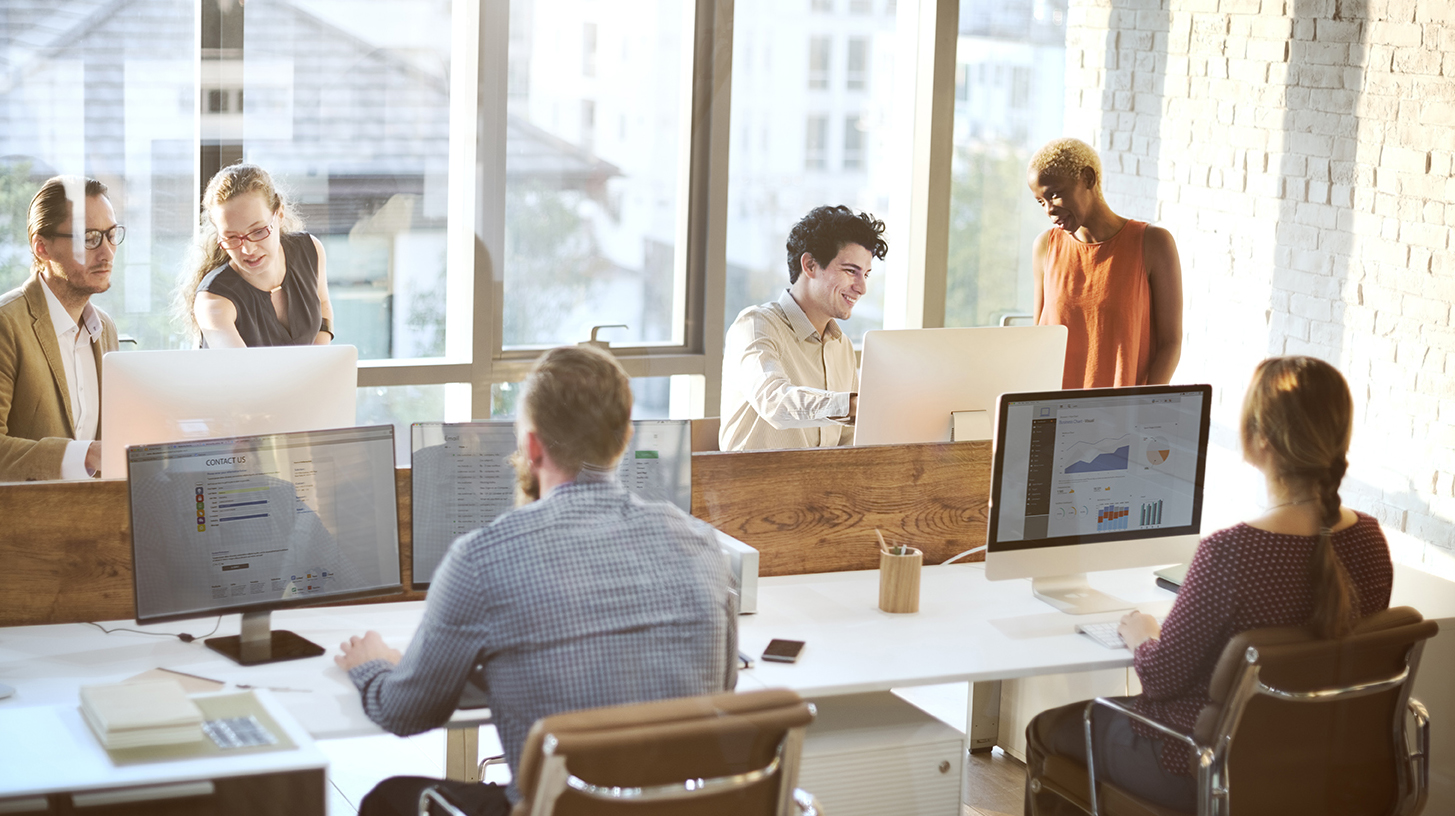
(182, 636)
(970, 551)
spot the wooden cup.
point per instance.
(899, 580)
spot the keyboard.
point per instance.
(1104, 633)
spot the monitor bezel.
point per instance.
(992, 527)
(268, 606)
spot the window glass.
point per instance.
(652, 397)
(1009, 100)
(403, 405)
(350, 114)
(775, 174)
(594, 163)
(105, 90)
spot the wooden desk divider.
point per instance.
(65, 547)
(815, 510)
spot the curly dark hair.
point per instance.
(826, 230)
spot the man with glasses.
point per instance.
(52, 337)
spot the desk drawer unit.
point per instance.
(874, 754)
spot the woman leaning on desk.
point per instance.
(259, 280)
(1114, 283)
(1307, 560)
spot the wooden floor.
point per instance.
(996, 784)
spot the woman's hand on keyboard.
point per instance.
(1137, 628)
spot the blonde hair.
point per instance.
(229, 183)
(1301, 409)
(50, 209)
(578, 400)
(1066, 158)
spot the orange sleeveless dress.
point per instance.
(1099, 292)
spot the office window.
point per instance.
(856, 77)
(861, 6)
(776, 183)
(853, 144)
(108, 90)
(993, 220)
(591, 220)
(815, 143)
(825, 6)
(818, 63)
(588, 50)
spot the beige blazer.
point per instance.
(35, 405)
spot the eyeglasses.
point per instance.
(115, 235)
(259, 234)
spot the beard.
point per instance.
(527, 483)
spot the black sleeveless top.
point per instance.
(257, 321)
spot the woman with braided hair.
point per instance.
(1306, 560)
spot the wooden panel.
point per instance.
(65, 551)
(704, 434)
(815, 510)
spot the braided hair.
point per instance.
(1301, 408)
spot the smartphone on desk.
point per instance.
(783, 651)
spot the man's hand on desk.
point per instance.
(360, 650)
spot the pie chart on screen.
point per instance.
(1157, 451)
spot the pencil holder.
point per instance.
(899, 580)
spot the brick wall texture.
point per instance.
(1300, 153)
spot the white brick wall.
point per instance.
(1303, 163)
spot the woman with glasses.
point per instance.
(259, 279)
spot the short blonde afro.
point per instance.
(1066, 158)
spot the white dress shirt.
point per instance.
(83, 382)
(784, 385)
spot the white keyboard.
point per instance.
(1104, 633)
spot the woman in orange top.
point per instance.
(1114, 283)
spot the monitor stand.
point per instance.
(259, 644)
(1074, 596)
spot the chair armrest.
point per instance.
(433, 794)
(807, 803)
(1203, 752)
(1141, 718)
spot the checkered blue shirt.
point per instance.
(589, 597)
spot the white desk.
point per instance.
(48, 749)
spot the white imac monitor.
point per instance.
(256, 523)
(940, 385)
(461, 478)
(1095, 479)
(179, 394)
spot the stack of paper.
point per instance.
(136, 715)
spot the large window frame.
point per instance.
(475, 354)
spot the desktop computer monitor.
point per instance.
(256, 523)
(461, 478)
(1095, 479)
(179, 394)
(939, 385)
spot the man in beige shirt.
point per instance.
(789, 379)
(52, 337)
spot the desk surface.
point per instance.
(967, 628)
(59, 753)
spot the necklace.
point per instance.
(1293, 503)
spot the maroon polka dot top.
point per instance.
(1244, 578)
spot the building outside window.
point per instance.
(818, 63)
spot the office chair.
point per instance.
(1303, 725)
(696, 756)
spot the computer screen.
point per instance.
(919, 385)
(462, 479)
(178, 394)
(1096, 479)
(256, 523)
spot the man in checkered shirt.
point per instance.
(584, 597)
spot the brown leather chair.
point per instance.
(1303, 725)
(696, 756)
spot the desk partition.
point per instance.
(65, 547)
